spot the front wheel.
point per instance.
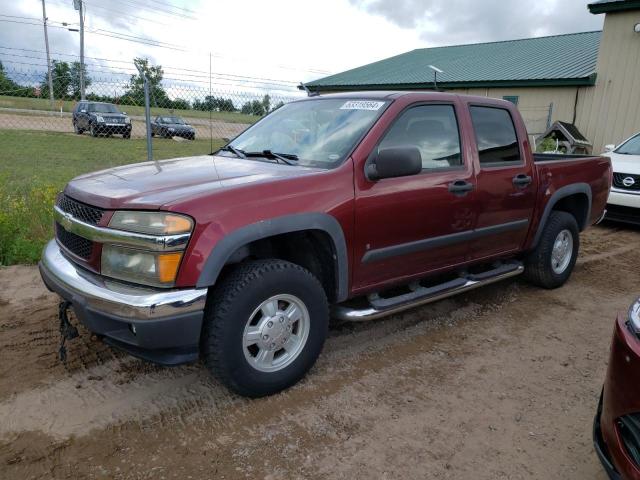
(264, 327)
(550, 264)
(93, 130)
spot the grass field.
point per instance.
(34, 166)
(67, 105)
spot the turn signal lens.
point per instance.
(168, 264)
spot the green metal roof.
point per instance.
(557, 60)
(606, 6)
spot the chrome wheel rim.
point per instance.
(275, 333)
(562, 251)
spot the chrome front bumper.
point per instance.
(161, 326)
(116, 298)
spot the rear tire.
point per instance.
(550, 264)
(264, 327)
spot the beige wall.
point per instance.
(610, 112)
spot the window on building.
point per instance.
(495, 135)
(511, 98)
(433, 130)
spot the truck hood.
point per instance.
(151, 185)
(624, 163)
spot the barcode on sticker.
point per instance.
(362, 105)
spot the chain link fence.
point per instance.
(49, 137)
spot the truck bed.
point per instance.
(550, 157)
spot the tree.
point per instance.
(61, 80)
(75, 79)
(266, 103)
(135, 94)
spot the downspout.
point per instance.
(575, 106)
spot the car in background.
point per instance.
(100, 119)
(172, 126)
(616, 428)
(624, 199)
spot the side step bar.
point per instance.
(381, 307)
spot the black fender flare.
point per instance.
(558, 195)
(231, 242)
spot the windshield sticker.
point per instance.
(362, 105)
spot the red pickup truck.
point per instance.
(353, 206)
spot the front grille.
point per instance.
(114, 119)
(75, 244)
(81, 211)
(629, 428)
(621, 213)
(626, 181)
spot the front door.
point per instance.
(407, 226)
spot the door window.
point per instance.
(433, 130)
(495, 136)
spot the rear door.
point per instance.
(505, 180)
(408, 226)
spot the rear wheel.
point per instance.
(264, 327)
(551, 263)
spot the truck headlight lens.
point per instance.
(634, 317)
(152, 223)
(99, 119)
(127, 120)
(137, 266)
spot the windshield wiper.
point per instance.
(236, 151)
(286, 158)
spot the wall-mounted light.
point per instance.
(636, 28)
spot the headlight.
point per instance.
(149, 268)
(634, 316)
(153, 223)
(171, 129)
(140, 265)
(99, 119)
(127, 120)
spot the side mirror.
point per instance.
(609, 148)
(395, 162)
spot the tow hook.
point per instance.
(67, 331)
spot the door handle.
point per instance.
(460, 187)
(522, 180)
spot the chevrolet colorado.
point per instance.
(353, 206)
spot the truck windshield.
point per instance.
(630, 147)
(319, 132)
(102, 108)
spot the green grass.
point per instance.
(67, 105)
(34, 166)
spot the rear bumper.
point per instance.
(159, 325)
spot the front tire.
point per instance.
(550, 264)
(93, 130)
(264, 327)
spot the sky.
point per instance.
(282, 41)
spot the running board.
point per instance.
(381, 307)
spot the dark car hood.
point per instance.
(175, 125)
(151, 185)
(121, 115)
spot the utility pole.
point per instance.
(78, 5)
(46, 43)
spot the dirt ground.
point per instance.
(499, 383)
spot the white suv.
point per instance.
(624, 200)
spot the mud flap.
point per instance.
(67, 331)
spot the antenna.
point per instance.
(309, 92)
(436, 71)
